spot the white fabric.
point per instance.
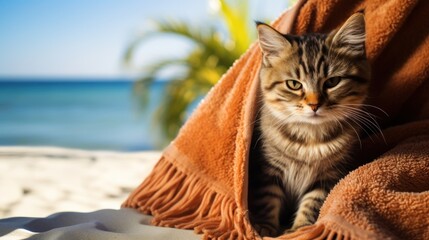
(105, 224)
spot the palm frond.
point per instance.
(203, 66)
(208, 39)
(237, 20)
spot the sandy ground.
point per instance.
(39, 181)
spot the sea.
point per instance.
(93, 114)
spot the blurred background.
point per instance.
(115, 75)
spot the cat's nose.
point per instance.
(314, 107)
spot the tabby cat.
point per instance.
(313, 88)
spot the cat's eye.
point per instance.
(332, 82)
(293, 84)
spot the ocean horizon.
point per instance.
(84, 113)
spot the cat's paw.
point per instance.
(265, 230)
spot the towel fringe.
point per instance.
(177, 200)
(317, 231)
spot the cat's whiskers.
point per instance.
(358, 107)
(372, 117)
(359, 115)
(257, 117)
(370, 122)
(281, 122)
(278, 124)
(339, 122)
(368, 105)
(259, 102)
(354, 130)
(352, 117)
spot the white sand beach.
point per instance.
(57, 193)
(39, 181)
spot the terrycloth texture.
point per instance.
(200, 182)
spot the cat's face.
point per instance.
(315, 78)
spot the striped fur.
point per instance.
(312, 90)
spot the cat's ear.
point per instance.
(351, 35)
(270, 40)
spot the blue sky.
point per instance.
(87, 38)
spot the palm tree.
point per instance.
(210, 57)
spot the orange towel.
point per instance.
(201, 183)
